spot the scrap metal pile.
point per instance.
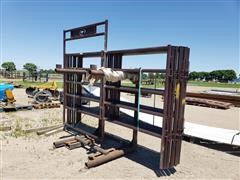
(172, 113)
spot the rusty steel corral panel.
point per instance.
(174, 93)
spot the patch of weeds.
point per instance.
(44, 121)
(18, 131)
(28, 126)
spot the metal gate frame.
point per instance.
(174, 94)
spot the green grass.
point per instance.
(213, 84)
(26, 83)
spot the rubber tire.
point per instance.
(41, 99)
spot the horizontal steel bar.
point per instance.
(135, 90)
(68, 70)
(101, 73)
(131, 106)
(86, 54)
(140, 129)
(141, 51)
(85, 110)
(91, 98)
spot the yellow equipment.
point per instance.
(10, 97)
(52, 86)
(41, 93)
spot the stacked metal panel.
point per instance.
(176, 72)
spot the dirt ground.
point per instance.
(28, 156)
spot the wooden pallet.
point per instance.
(46, 105)
(16, 107)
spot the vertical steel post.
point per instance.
(183, 85)
(64, 76)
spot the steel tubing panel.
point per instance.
(109, 101)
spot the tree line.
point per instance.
(216, 75)
(10, 66)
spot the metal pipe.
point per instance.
(101, 150)
(96, 72)
(61, 143)
(101, 73)
(108, 157)
(67, 70)
(71, 146)
(87, 142)
(141, 51)
(83, 140)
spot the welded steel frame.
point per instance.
(71, 80)
(174, 94)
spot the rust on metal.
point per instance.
(101, 159)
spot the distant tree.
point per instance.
(144, 76)
(160, 75)
(9, 66)
(202, 75)
(30, 67)
(229, 75)
(151, 76)
(193, 75)
(218, 75)
(208, 77)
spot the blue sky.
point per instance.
(31, 31)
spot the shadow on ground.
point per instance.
(227, 148)
(150, 158)
(142, 155)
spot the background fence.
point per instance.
(26, 76)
